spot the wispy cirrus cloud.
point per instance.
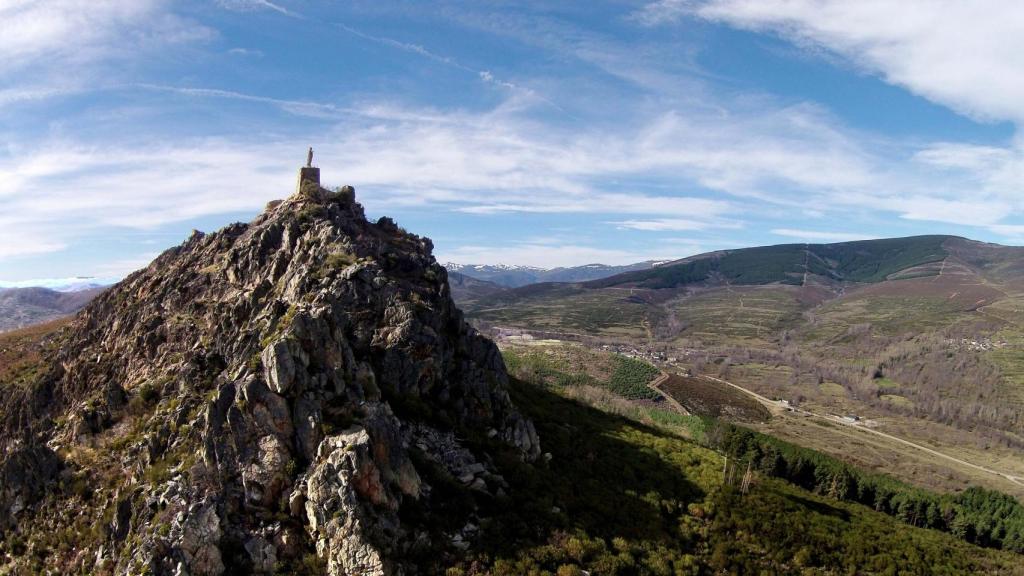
(486, 76)
(663, 11)
(476, 163)
(920, 47)
(821, 235)
(307, 108)
(72, 33)
(675, 224)
(659, 149)
(487, 163)
(255, 5)
(554, 255)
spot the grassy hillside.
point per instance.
(638, 495)
(21, 352)
(816, 491)
(619, 497)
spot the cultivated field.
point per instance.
(706, 397)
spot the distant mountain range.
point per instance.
(20, 307)
(511, 276)
(72, 284)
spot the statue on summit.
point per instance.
(308, 175)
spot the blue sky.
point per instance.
(540, 133)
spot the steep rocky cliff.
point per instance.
(296, 394)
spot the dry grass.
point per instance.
(21, 351)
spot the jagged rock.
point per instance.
(263, 555)
(264, 478)
(25, 474)
(297, 502)
(122, 520)
(342, 527)
(263, 361)
(279, 367)
(199, 542)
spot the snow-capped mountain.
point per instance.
(513, 276)
(73, 284)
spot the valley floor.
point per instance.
(917, 450)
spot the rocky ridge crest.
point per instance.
(273, 391)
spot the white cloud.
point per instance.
(246, 52)
(117, 269)
(297, 107)
(964, 55)
(52, 35)
(713, 172)
(31, 94)
(1016, 230)
(64, 48)
(51, 195)
(14, 243)
(969, 212)
(820, 236)
(665, 225)
(501, 161)
(548, 255)
(255, 5)
(485, 76)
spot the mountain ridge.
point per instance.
(513, 276)
(839, 261)
(253, 395)
(21, 307)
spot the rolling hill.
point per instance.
(468, 289)
(923, 336)
(20, 307)
(862, 261)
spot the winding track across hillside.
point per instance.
(656, 386)
(836, 419)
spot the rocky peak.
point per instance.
(267, 392)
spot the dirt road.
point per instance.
(772, 404)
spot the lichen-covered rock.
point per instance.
(344, 486)
(242, 393)
(199, 542)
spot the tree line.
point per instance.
(977, 515)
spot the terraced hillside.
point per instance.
(923, 336)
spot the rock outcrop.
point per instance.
(259, 399)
